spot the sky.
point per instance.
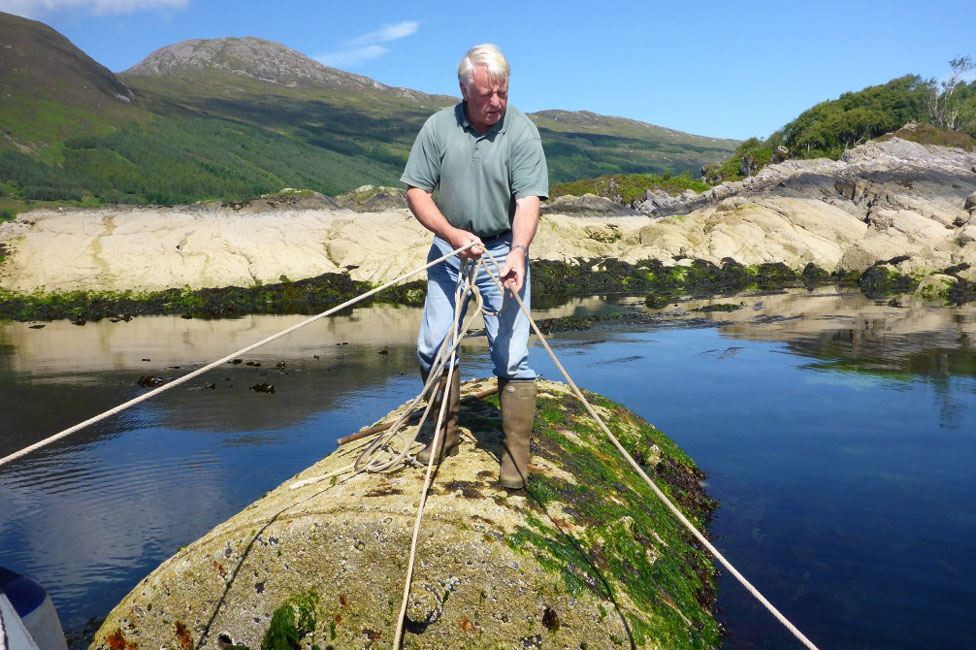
(731, 69)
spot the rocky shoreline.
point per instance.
(889, 216)
(552, 282)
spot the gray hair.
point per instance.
(487, 55)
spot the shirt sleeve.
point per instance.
(530, 175)
(423, 168)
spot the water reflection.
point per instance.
(827, 422)
(847, 331)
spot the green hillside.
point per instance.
(235, 118)
(584, 145)
(51, 91)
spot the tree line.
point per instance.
(831, 127)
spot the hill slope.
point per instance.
(51, 90)
(234, 118)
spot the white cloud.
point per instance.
(364, 48)
(385, 34)
(34, 8)
(352, 57)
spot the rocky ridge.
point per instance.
(877, 168)
(253, 57)
(881, 201)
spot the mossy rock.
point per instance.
(936, 287)
(370, 198)
(585, 557)
(883, 279)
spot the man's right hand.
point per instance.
(458, 238)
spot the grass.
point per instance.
(212, 134)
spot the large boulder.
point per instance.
(585, 557)
(970, 204)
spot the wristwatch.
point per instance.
(524, 249)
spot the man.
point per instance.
(487, 160)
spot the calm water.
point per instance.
(839, 436)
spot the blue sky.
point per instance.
(724, 69)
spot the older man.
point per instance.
(486, 159)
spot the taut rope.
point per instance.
(199, 371)
(637, 468)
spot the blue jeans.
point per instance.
(508, 331)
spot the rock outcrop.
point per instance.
(882, 200)
(286, 199)
(589, 205)
(369, 198)
(862, 175)
(585, 557)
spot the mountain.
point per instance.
(236, 117)
(268, 86)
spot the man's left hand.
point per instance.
(513, 271)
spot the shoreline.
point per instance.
(551, 281)
(893, 216)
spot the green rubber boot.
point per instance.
(518, 411)
(450, 440)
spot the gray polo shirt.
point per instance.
(480, 175)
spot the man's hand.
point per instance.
(458, 238)
(513, 271)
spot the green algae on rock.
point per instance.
(585, 557)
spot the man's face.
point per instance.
(486, 99)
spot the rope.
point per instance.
(368, 460)
(185, 378)
(446, 397)
(616, 443)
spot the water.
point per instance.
(839, 436)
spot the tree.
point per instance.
(944, 104)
